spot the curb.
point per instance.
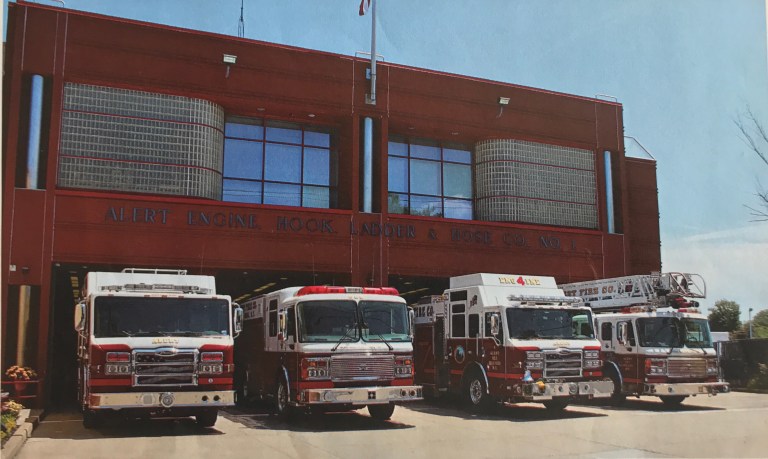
(12, 447)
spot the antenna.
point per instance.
(241, 23)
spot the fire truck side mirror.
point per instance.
(80, 316)
(411, 320)
(495, 324)
(621, 333)
(238, 319)
(281, 321)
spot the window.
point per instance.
(429, 179)
(291, 322)
(458, 321)
(273, 318)
(474, 325)
(606, 331)
(267, 162)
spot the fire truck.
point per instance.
(507, 338)
(328, 348)
(655, 340)
(154, 342)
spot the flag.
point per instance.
(364, 5)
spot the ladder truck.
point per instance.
(155, 343)
(655, 340)
(494, 338)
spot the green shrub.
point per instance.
(759, 381)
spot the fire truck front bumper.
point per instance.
(198, 399)
(360, 395)
(538, 391)
(703, 388)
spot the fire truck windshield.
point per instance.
(660, 332)
(531, 323)
(385, 321)
(697, 333)
(327, 320)
(120, 316)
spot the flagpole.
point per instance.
(372, 100)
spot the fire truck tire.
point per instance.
(556, 406)
(381, 412)
(207, 418)
(90, 419)
(617, 397)
(476, 396)
(672, 401)
(282, 408)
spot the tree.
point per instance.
(755, 136)
(725, 316)
(760, 324)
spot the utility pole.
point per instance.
(750, 323)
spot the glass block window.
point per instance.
(269, 162)
(426, 178)
(132, 141)
(529, 182)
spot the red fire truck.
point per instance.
(507, 338)
(155, 342)
(324, 348)
(655, 340)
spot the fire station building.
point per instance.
(128, 144)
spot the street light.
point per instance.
(750, 323)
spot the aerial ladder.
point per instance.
(673, 289)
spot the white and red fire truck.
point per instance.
(327, 348)
(155, 342)
(655, 340)
(507, 338)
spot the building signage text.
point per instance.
(300, 225)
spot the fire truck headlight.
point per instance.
(534, 365)
(591, 355)
(207, 368)
(712, 367)
(655, 367)
(534, 360)
(593, 363)
(316, 368)
(117, 369)
(403, 367)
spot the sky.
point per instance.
(683, 71)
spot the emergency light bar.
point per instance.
(157, 288)
(325, 289)
(544, 299)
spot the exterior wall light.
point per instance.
(502, 102)
(229, 59)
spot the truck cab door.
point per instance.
(439, 344)
(626, 350)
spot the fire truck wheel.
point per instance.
(381, 412)
(90, 419)
(207, 418)
(672, 401)
(617, 397)
(476, 395)
(555, 405)
(282, 408)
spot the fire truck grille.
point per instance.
(687, 368)
(362, 367)
(562, 364)
(166, 367)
